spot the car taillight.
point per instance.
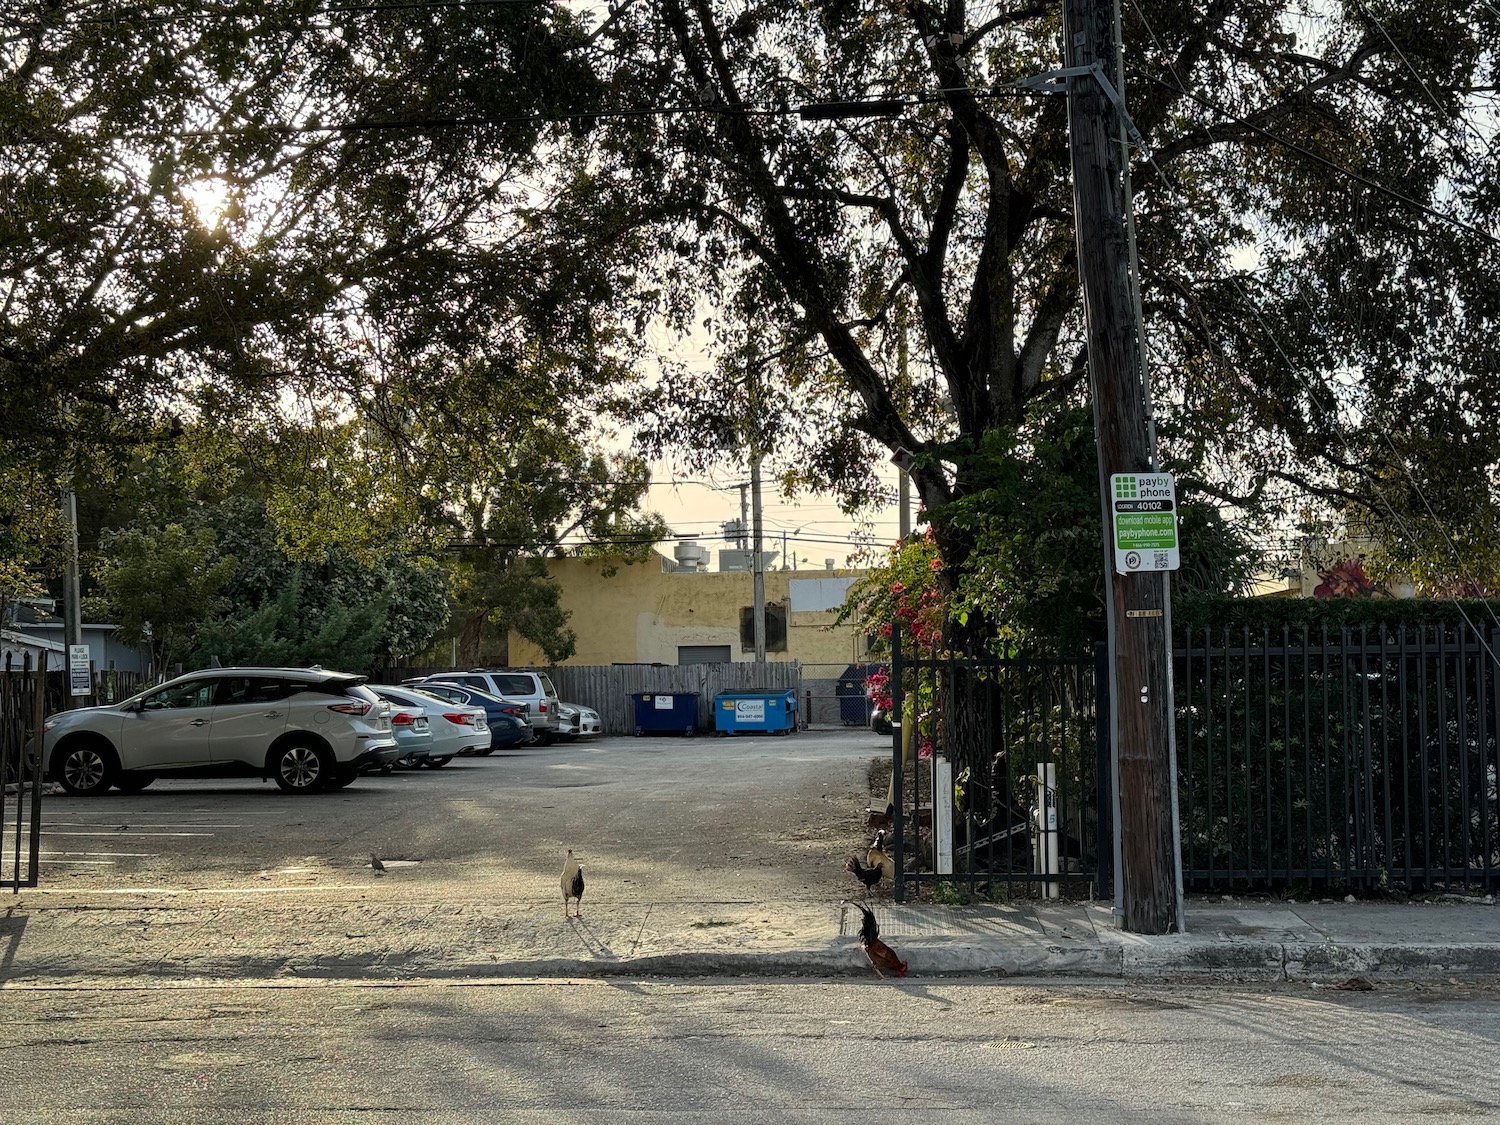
(544, 708)
(403, 718)
(459, 718)
(518, 712)
(351, 707)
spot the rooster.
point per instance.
(572, 883)
(869, 876)
(881, 955)
(875, 856)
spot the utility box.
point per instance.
(773, 711)
(658, 713)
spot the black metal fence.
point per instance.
(22, 709)
(1360, 758)
(1029, 775)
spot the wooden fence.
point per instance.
(608, 688)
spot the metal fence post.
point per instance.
(1104, 837)
(898, 716)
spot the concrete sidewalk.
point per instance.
(165, 937)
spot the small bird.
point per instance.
(880, 955)
(869, 876)
(572, 883)
(377, 865)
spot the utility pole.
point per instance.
(72, 594)
(756, 561)
(1141, 707)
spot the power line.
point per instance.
(203, 12)
(1318, 158)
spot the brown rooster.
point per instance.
(881, 955)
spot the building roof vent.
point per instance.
(691, 557)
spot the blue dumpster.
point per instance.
(657, 713)
(774, 711)
(854, 702)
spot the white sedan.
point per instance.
(455, 728)
(578, 721)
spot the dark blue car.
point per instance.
(509, 720)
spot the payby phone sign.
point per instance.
(1145, 521)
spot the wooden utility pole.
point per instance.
(1140, 708)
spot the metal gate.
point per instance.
(1001, 772)
(23, 693)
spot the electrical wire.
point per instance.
(1365, 181)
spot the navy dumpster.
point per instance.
(854, 701)
(774, 711)
(657, 713)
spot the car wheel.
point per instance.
(86, 769)
(300, 767)
(546, 739)
(132, 781)
(439, 763)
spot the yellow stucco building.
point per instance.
(651, 612)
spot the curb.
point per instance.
(1177, 959)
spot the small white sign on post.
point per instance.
(942, 813)
(1144, 514)
(80, 678)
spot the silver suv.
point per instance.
(305, 727)
(531, 688)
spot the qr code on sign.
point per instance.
(1160, 560)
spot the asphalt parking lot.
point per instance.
(750, 817)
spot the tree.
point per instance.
(554, 498)
(249, 217)
(1300, 302)
(162, 584)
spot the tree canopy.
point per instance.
(1315, 211)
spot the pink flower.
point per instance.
(935, 565)
(925, 750)
(897, 587)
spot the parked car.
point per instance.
(578, 721)
(455, 728)
(306, 728)
(413, 733)
(508, 718)
(533, 688)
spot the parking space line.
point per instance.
(116, 832)
(132, 855)
(321, 889)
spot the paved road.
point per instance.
(749, 818)
(748, 1051)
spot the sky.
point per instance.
(813, 526)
